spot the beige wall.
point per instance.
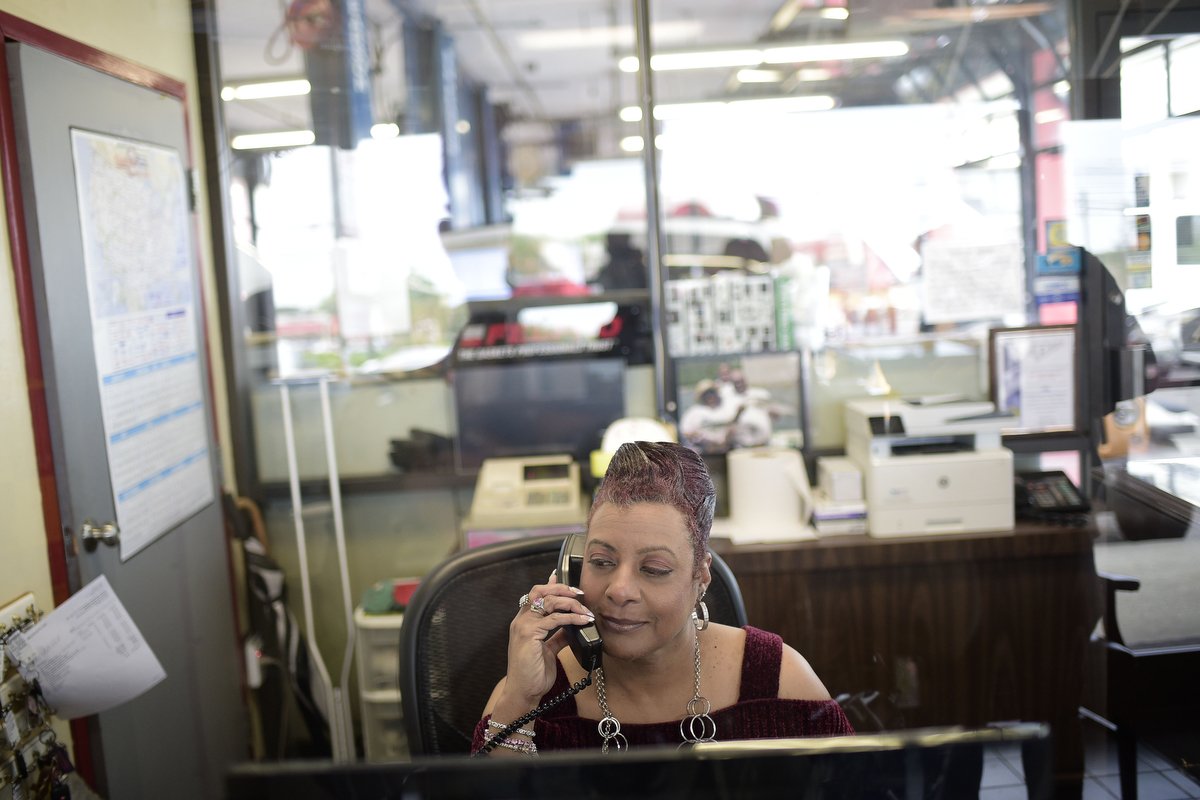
(156, 34)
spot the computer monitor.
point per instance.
(935, 764)
(540, 406)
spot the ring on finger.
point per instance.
(539, 607)
(524, 601)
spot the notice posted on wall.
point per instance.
(968, 282)
(134, 217)
(87, 655)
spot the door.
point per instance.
(177, 739)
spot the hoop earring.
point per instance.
(700, 616)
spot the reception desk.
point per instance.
(961, 629)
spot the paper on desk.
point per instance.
(87, 654)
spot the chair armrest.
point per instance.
(1114, 583)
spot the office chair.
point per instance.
(454, 640)
(1146, 685)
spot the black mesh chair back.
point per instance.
(454, 640)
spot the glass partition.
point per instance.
(851, 195)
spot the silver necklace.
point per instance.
(696, 726)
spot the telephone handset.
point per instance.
(584, 640)
(1039, 494)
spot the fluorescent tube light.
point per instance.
(385, 130)
(759, 76)
(682, 110)
(630, 114)
(835, 13)
(708, 59)
(811, 74)
(263, 141)
(635, 144)
(832, 52)
(1048, 115)
(793, 54)
(266, 89)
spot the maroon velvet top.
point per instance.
(758, 713)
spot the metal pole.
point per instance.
(654, 241)
(344, 750)
(289, 440)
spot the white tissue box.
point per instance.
(840, 479)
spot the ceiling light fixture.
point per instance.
(812, 74)
(266, 89)
(635, 144)
(759, 76)
(793, 54)
(385, 130)
(702, 59)
(773, 105)
(265, 141)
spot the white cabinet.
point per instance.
(377, 651)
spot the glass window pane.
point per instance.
(1185, 65)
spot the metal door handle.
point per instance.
(92, 534)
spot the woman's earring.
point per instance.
(700, 615)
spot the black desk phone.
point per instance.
(584, 640)
(1048, 492)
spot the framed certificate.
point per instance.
(1033, 375)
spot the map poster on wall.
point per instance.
(137, 255)
(965, 283)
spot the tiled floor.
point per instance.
(1157, 779)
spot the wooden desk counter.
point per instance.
(961, 629)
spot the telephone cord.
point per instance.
(578, 687)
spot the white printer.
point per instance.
(931, 467)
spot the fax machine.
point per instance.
(931, 467)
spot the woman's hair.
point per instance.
(662, 472)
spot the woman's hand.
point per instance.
(532, 650)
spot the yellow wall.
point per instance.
(156, 34)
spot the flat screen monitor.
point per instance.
(535, 407)
(934, 764)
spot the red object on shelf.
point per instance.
(402, 590)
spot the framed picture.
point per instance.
(1033, 375)
(732, 401)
